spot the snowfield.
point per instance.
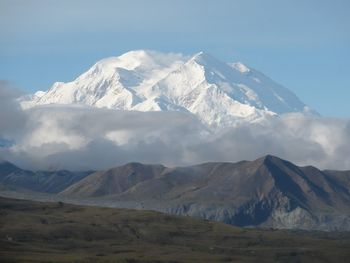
(219, 94)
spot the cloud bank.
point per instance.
(12, 117)
(80, 138)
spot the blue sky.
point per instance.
(304, 45)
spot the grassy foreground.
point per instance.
(56, 232)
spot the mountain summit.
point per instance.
(218, 93)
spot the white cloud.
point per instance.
(12, 118)
(56, 137)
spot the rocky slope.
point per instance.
(267, 192)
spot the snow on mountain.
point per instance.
(218, 93)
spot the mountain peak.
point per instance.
(270, 159)
(137, 54)
(217, 93)
(204, 59)
(7, 167)
(130, 60)
(200, 54)
(142, 60)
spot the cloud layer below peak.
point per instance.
(80, 138)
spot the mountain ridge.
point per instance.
(16, 179)
(218, 93)
(266, 192)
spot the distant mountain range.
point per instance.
(267, 192)
(218, 93)
(16, 179)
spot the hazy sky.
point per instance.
(302, 44)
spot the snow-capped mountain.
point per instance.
(218, 93)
